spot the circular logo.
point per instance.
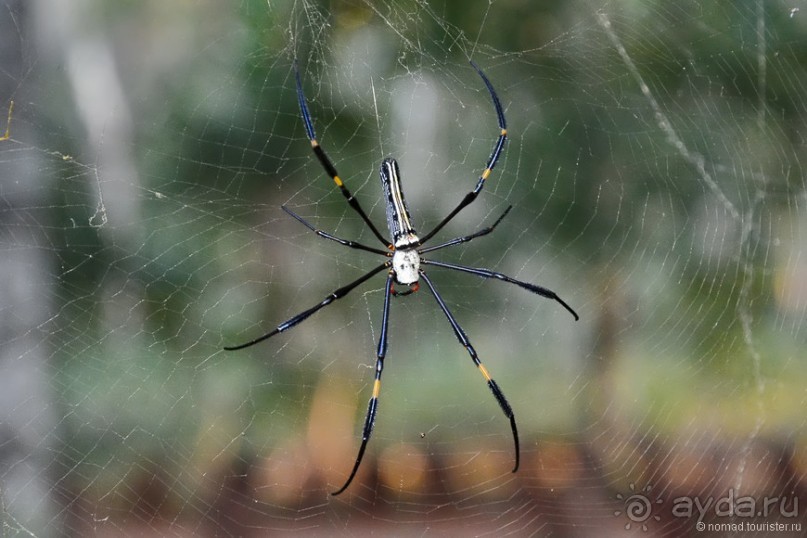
(638, 507)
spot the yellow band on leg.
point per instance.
(376, 388)
(7, 134)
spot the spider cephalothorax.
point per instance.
(404, 261)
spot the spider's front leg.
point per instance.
(494, 387)
(372, 406)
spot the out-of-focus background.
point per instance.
(656, 168)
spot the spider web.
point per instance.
(655, 165)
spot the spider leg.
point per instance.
(7, 135)
(465, 239)
(494, 388)
(494, 157)
(326, 235)
(487, 273)
(372, 407)
(326, 163)
(302, 316)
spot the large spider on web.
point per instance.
(404, 261)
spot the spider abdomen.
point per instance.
(398, 220)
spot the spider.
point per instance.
(404, 262)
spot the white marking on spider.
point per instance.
(406, 264)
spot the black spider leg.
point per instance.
(372, 407)
(494, 388)
(302, 316)
(326, 235)
(466, 238)
(494, 156)
(326, 163)
(487, 273)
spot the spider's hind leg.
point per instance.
(326, 162)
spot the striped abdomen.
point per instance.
(398, 220)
